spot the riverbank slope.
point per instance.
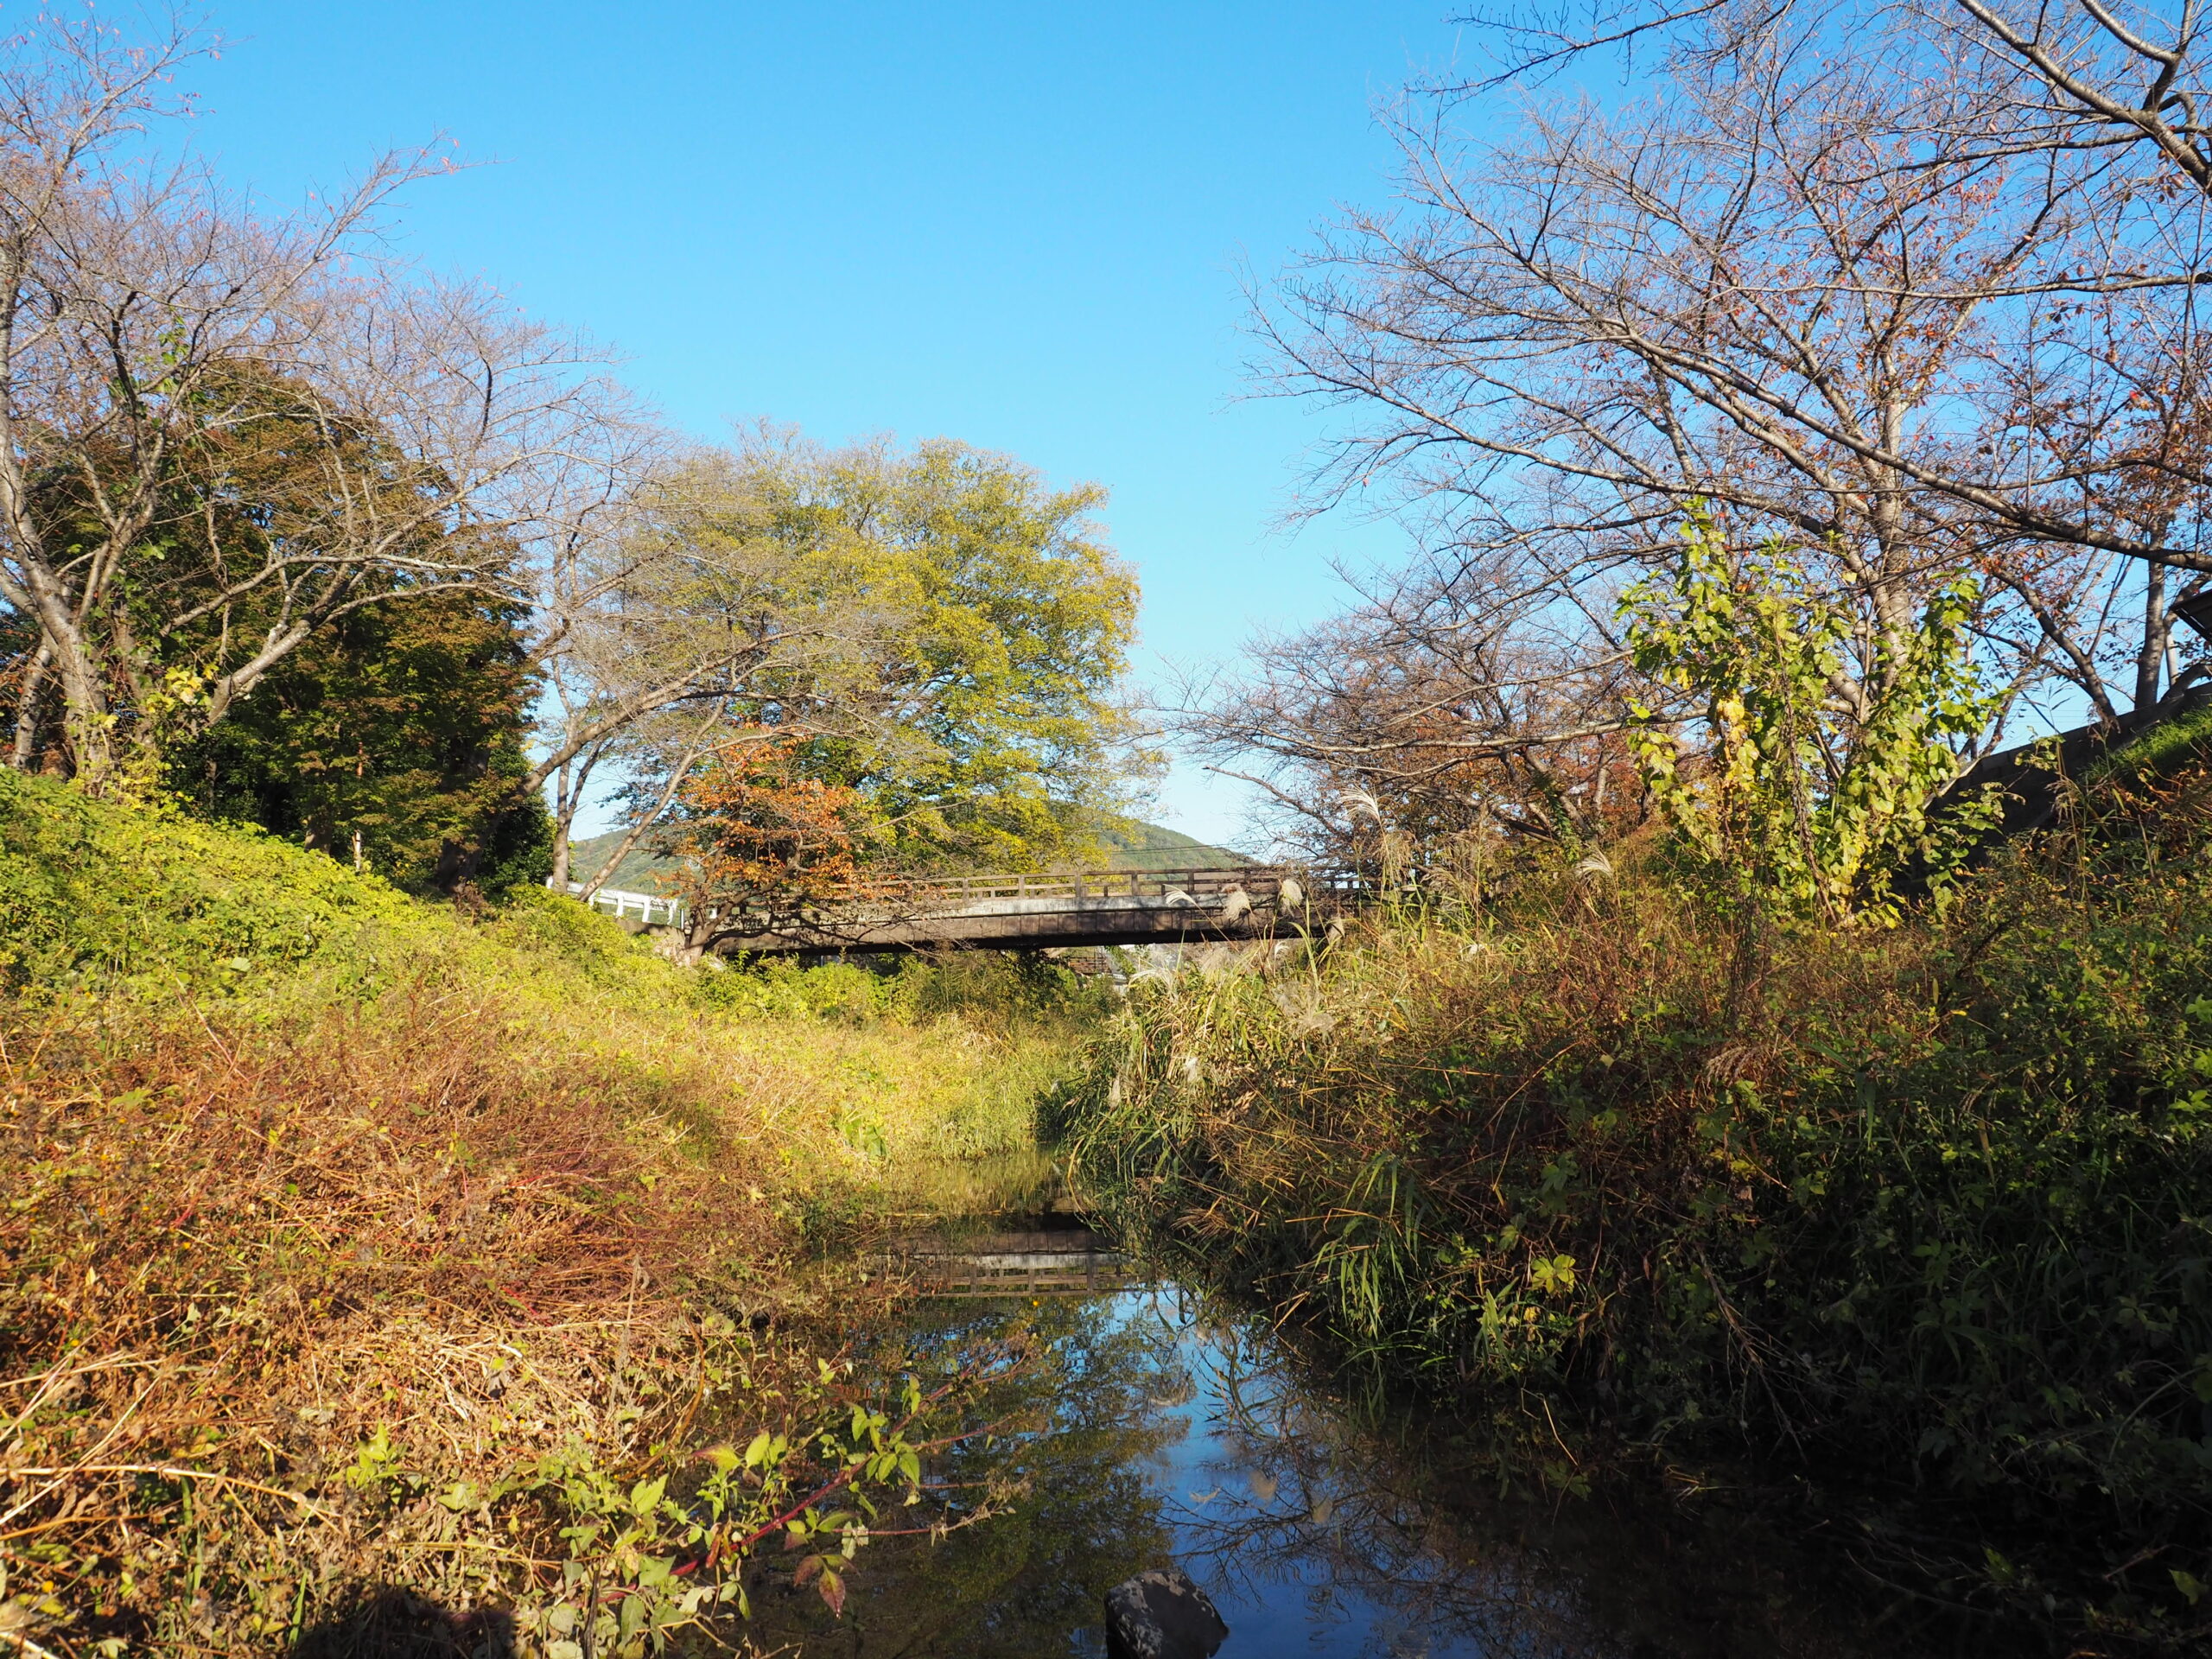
(375, 1274)
(1921, 1210)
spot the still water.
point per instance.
(1156, 1426)
(1278, 1512)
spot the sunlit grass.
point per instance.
(303, 1172)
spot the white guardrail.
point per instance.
(649, 907)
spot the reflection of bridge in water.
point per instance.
(1073, 1262)
(1194, 907)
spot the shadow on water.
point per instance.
(389, 1623)
(1159, 1427)
(1069, 1465)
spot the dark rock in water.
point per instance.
(1162, 1615)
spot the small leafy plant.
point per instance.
(1808, 803)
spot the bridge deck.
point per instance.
(1034, 910)
(1090, 907)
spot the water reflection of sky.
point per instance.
(1292, 1523)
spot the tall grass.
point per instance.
(371, 1270)
(1934, 1202)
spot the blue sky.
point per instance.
(1021, 225)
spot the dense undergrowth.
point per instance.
(1926, 1208)
(383, 1279)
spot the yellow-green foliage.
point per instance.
(934, 1060)
(93, 895)
(347, 1241)
(1802, 811)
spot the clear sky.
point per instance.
(1021, 225)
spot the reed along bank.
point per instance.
(1915, 1219)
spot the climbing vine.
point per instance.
(1808, 801)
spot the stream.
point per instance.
(1158, 1424)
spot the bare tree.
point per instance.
(1441, 704)
(1833, 298)
(2099, 75)
(2079, 126)
(219, 429)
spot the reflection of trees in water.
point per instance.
(1300, 1499)
(1080, 1516)
(1296, 1496)
(1379, 1520)
(1352, 1493)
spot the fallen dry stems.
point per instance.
(278, 1289)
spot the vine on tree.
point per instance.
(1807, 802)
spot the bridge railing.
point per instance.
(1259, 880)
(649, 907)
(1206, 886)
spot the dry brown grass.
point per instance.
(238, 1248)
(357, 1256)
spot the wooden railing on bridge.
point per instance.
(1217, 881)
(1250, 901)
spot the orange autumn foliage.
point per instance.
(761, 833)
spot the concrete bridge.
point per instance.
(1251, 901)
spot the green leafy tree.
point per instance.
(966, 626)
(1808, 801)
(1009, 745)
(388, 732)
(393, 738)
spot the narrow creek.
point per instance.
(1155, 1424)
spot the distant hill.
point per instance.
(1144, 846)
(1149, 846)
(638, 872)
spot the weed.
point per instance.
(1929, 1200)
(377, 1275)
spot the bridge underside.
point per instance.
(1031, 924)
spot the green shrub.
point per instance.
(784, 987)
(1935, 1201)
(93, 894)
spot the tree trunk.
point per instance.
(563, 818)
(87, 724)
(28, 722)
(559, 880)
(569, 779)
(2151, 660)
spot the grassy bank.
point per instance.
(1929, 1208)
(376, 1275)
